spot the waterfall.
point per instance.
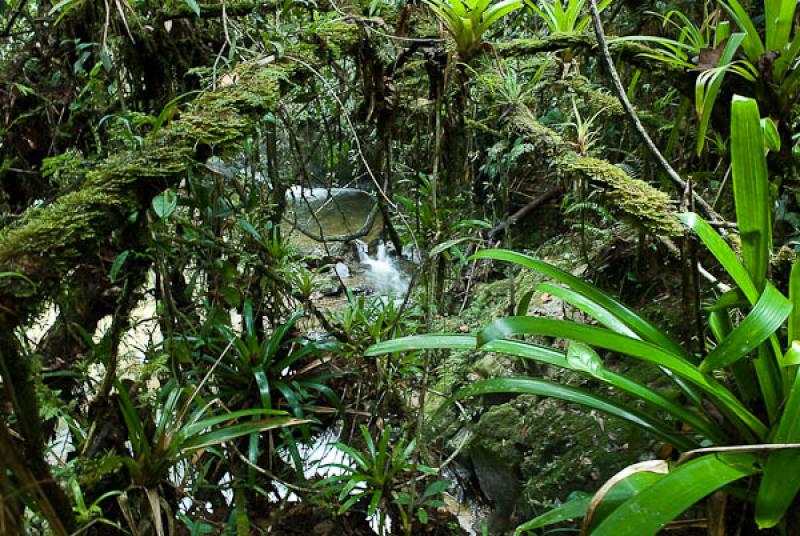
(382, 271)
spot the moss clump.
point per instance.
(525, 121)
(551, 43)
(633, 199)
(335, 35)
(65, 170)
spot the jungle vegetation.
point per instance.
(399, 267)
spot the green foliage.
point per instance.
(179, 430)
(711, 49)
(561, 18)
(763, 315)
(468, 20)
(381, 475)
(267, 366)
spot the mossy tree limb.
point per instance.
(630, 52)
(631, 199)
(49, 243)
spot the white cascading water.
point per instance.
(382, 272)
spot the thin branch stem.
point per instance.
(634, 118)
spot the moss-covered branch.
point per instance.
(631, 199)
(49, 242)
(628, 51)
(233, 9)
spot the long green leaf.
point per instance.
(630, 318)
(469, 342)
(766, 317)
(584, 359)
(652, 509)
(577, 396)
(643, 350)
(589, 307)
(794, 297)
(779, 19)
(423, 342)
(196, 427)
(781, 480)
(751, 187)
(723, 253)
(752, 45)
(549, 356)
(753, 213)
(572, 509)
(228, 433)
(706, 93)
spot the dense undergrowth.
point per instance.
(440, 267)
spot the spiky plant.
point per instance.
(468, 20)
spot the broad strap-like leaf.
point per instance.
(630, 318)
(781, 480)
(751, 187)
(779, 20)
(228, 433)
(752, 44)
(646, 513)
(578, 396)
(619, 488)
(584, 359)
(469, 342)
(199, 426)
(771, 310)
(588, 306)
(794, 297)
(723, 253)
(423, 342)
(766, 366)
(572, 509)
(603, 338)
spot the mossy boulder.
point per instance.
(529, 453)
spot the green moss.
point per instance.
(607, 104)
(551, 43)
(525, 121)
(65, 170)
(335, 35)
(634, 199)
(573, 449)
(47, 243)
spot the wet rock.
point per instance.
(330, 287)
(531, 453)
(496, 460)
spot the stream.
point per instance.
(360, 262)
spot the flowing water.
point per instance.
(383, 273)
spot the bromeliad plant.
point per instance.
(381, 476)
(769, 63)
(560, 18)
(744, 393)
(277, 367)
(182, 426)
(713, 47)
(468, 20)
